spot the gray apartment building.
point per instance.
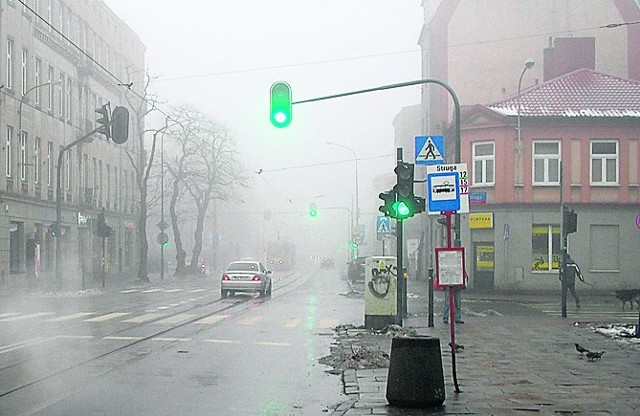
(59, 61)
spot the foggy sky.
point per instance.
(222, 56)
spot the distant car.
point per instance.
(327, 263)
(246, 276)
(355, 271)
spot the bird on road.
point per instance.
(581, 349)
(594, 355)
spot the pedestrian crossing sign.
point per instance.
(429, 150)
(383, 227)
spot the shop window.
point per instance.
(545, 247)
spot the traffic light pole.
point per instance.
(59, 202)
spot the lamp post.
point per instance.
(25, 96)
(527, 65)
(355, 158)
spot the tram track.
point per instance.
(201, 311)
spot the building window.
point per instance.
(38, 80)
(50, 90)
(604, 248)
(61, 95)
(546, 163)
(23, 156)
(7, 154)
(545, 247)
(9, 78)
(36, 160)
(67, 108)
(49, 164)
(25, 73)
(604, 162)
(483, 164)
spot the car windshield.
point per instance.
(243, 267)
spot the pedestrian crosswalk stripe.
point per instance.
(143, 318)
(28, 316)
(172, 339)
(114, 338)
(76, 336)
(292, 323)
(197, 290)
(212, 319)
(221, 341)
(70, 317)
(129, 290)
(152, 290)
(251, 320)
(173, 290)
(107, 317)
(176, 319)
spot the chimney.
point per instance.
(568, 55)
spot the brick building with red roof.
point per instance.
(579, 144)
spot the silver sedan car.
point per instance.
(246, 276)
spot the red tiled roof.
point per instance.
(581, 93)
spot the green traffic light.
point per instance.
(165, 244)
(313, 210)
(402, 210)
(353, 245)
(280, 104)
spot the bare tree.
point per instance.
(205, 167)
(142, 105)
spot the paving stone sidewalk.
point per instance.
(524, 362)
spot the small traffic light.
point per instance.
(165, 244)
(313, 209)
(569, 221)
(104, 122)
(353, 245)
(101, 225)
(54, 229)
(404, 180)
(120, 125)
(389, 198)
(403, 208)
(280, 112)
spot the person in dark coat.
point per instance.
(571, 271)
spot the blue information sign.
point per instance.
(443, 190)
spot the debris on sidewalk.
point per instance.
(356, 358)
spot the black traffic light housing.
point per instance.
(120, 125)
(569, 221)
(404, 180)
(102, 229)
(54, 230)
(104, 120)
(389, 198)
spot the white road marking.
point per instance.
(4, 315)
(221, 341)
(114, 338)
(18, 345)
(173, 290)
(76, 336)
(129, 290)
(251, 320)
(292, 323)
(181, 317)
(198, 290)
(152, 290)
(143, 318)
(28, 316)
(212, 319)
(70, 317)
(172, 339)
(107, 317)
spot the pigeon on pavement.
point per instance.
(594, 355)
(581, 349)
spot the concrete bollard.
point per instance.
(415, 376)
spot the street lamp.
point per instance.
(527, 65)
(355, 158)
(25, 96)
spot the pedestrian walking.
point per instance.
(570, 272)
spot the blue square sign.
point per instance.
(443, 191)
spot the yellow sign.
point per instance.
(481, 220)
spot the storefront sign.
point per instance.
(481, 220)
